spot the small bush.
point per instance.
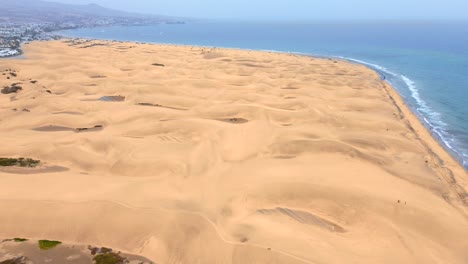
(109, 258)
(6, 162)
(47, 244)
(20, 162)
(11, 89)
(16, 239)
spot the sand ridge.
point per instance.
(208, 155)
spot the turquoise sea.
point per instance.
(427, 62)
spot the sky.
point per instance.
(294, 10)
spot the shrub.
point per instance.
(20, 162)
(109, 258)
(48, 244)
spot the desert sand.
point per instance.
(206, 155)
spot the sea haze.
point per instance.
(427, 62)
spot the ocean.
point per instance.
(427, 62)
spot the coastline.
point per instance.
(419, 116)
(447, 165)
(451, 174)
(447, 160)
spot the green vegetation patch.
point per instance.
(16, 239)
(109, 258)
(48, 244)
(20, 162)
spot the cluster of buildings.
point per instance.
(12, 34)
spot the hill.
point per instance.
(15, 11)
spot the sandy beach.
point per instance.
(206, 155)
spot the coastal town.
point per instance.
(19, 25)
(12, 35)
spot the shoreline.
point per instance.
(446, 164)
(419, 116)
(301, 122)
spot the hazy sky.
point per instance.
(294, 9)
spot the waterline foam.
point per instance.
(431, 119)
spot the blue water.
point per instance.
(427, 62)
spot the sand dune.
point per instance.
(207, 155)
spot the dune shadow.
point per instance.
(304, 217)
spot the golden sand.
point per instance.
(199, 155)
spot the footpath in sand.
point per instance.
(200, 155)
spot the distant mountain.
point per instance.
(44, 11)
(28, 20)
